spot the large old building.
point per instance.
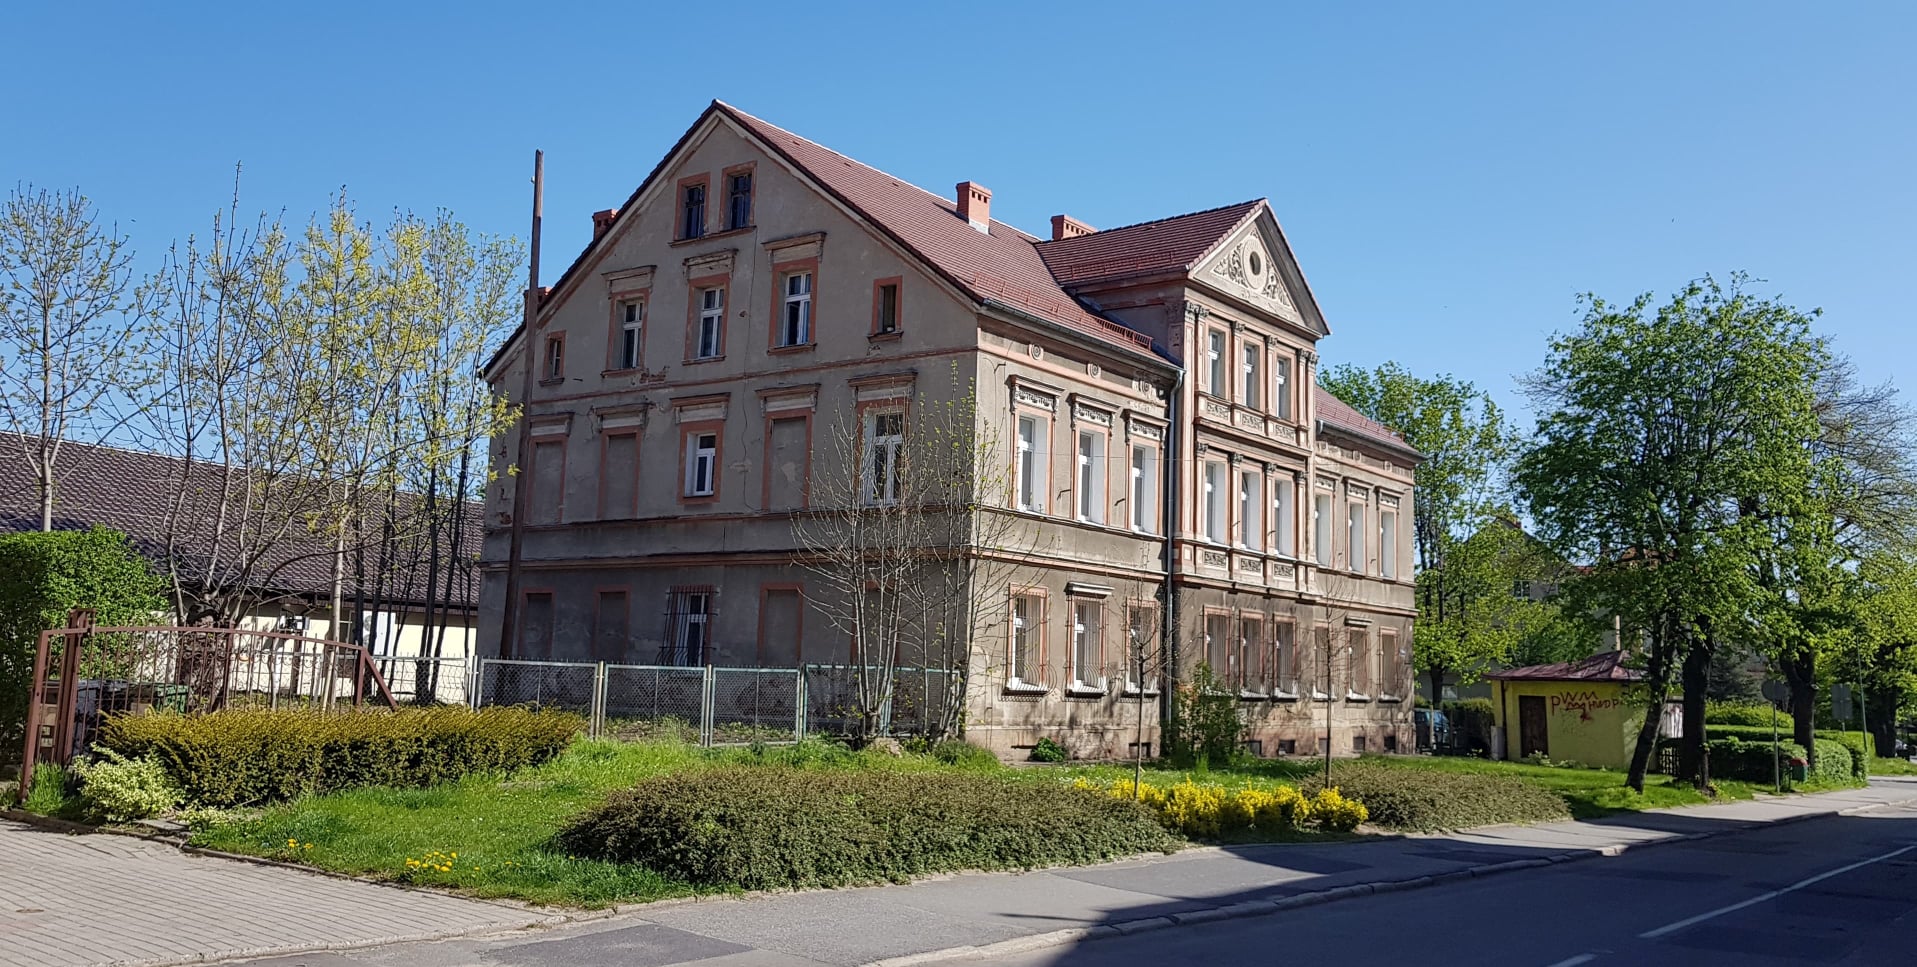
(1173, 477)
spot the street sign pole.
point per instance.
(1863, 721)
(1775, 692)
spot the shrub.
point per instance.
(1855, 763)
(1834, 762)
(1204, 810)
(1749, 714)
(1473, 719)
(1430, 799)
(251, 756)
(964, 755)
(1735, 758)
(1205, 726)
(53, 793)
(116, 789)
(772, 827)
(42, 575)
(1334, 813)
(1048, 751)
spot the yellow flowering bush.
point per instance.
(1209, 810)
(1334, 813)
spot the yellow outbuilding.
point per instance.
(1570, 711)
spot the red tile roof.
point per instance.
(1605, 666)
(1337, 413)
(1178, 243)
(1000, 267)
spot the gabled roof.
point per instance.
(1177, 243)
(1000, 267)
(1605, 666)
(133, 492)
(1338, 414)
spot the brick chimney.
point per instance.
(975, 205)
(1065, 226)
(602, 221)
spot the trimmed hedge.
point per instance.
(1848, 749)
(251, 756)
(1747, 714)
(776, 827)
(1423, 800)
(1749, 761)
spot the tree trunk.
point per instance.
(1646, 741)
(1801, 674)
(1437, 686)
(1696, 681)
(1883, 732)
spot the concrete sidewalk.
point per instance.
(936, 919)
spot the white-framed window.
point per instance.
(1321, 529)
(1249, 653)
(555, 357)
(1251, 510)
(632, 320)
(795, 327)
(1254, 374)
(1281, 387)
(1363, 662)
(1219, 647)
(1388, 543)
(1215, 362)
(1032, 463)
(712, 322)
(1217, 491)
(1022, 664)
(1356, 545)
(1284, 657)
(690, 615)
(1091, 476)
(1284, 515)
(1087, 644)
(884, 443)
(1145, 490)
(1141, 634)
(702, 463)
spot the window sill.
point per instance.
(551, 380)
(1250, 696)
(1284, 696)
(1016, 687)
(886, 336)
(634, 371)
(1390, 700)
(696, 360)
(709, 236)
(1131, 691)
(1082, 690)
(698, 498)
(1357, 697)
(1318, 696)
(799, 348)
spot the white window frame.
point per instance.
(632, 321)
(884, 446)
(1088, 630)
(1251, 510)
(795, 317)
(1284, 656)
(1284, 515)
(1032, 468)
(1281, 387)
(1252, 353)
(1215, 362)
(1217, 479)
(1388, 544)
(1145, 489)
(1027, 637)
(702, 463)
(1357, 548)
(378, 633)
(1091, 476)
(1321, 550)
(712, 322)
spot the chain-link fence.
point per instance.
(834, 702)
(416, 680)
(713, 706)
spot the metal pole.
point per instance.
(1863, 722)
(1777, 768)
(509, 613)
(1328, 653)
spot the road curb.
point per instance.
(1260, 908)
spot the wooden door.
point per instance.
(1532, 736)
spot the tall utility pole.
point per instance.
(1330, 700)
(509, 615)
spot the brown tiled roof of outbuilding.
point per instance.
(1177, 243)
(1605, 666)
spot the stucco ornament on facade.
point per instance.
(1247, 266)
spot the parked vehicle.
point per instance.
(1434, 731)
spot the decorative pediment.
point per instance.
(1245, 265)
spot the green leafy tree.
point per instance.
(1662, 427)
(1490, 614)
(1464, 604)
(42, 576)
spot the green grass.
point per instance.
(1590, 793)
(1892, 767)
(499, 827)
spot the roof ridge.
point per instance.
(1155, 221)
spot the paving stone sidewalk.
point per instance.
(78, 901)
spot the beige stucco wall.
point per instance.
(1590, 723)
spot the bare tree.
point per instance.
(65, 330)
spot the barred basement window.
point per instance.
(688, 626)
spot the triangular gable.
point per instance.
(1255, 265)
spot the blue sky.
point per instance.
(1450, 175)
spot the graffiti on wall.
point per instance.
(1582, 704)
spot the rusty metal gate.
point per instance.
(83, 673)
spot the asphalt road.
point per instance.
(1840, 890)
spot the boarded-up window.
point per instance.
(547, 498)
(620, 477)
(612, 627)
(535, 636)
(779, 628)
(790, 464)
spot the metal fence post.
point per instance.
(798, 706)
(706, 709)
(596, 718)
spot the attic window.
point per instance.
(1257, 264)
